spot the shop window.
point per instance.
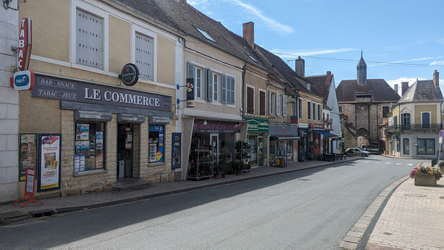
(89, 39)
(261, 103)
(426, 146)
(156, 144)
(89, 146)
(144, 56)
(250, 100)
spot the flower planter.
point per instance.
(425, 180)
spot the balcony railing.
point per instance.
(414, 127)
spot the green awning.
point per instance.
(257, 125)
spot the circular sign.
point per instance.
(129, 74)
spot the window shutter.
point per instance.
(269, 103)
(144, 56)
(89, 39)
(284, 105)
(209, 85)
(279, 105)
(223, 87)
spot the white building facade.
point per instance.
(8, 104)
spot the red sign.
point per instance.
(24, 44)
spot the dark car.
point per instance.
(356, 152)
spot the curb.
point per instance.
(8, 219)
(359, 233)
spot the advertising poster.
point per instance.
(49, 171)
(27, 154)
(82, 132)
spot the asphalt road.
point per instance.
(310, 209)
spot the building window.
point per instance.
(385, 111)
(250, 100)
(426, 146)
(228, 90)
(340, 109)
(314, 111)
(144, 56)
(216, 79)
(300, 107)
(309, 110)
(90, 47)
(198, 83)
(395, 121)
(156, 144)
(272, 103)
(405, 121)
(425, 120)
(406, 146)
(279, 105)
(261, 103)
(89, 146)
(319, 112)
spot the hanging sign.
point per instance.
(24, 44)
(23, 80)
(49, 169)
(129, 74)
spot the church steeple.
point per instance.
(362, 71)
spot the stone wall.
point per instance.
(8, 106)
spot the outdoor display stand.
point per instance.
(202, 163)
(30, 187)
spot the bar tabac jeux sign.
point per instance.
(77, 91)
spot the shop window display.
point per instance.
(89, 146)
(156, 149)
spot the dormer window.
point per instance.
(206, 35)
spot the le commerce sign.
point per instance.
(77, 91)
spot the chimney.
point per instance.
(248, 30)
(436, 78)
(404, 87)
(395, 87)
(300, 67)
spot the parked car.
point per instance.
(356, 152)
(372, 150)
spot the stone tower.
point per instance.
(362, 71)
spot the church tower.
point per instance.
(362, 71)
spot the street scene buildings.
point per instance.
(205, 135)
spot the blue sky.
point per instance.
(401, 39)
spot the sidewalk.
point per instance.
(412, 219)
(10, 213)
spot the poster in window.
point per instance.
(99, 140)
(82, 132)
(49, 169)
(27, 154)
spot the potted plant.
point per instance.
(241, 157)
(425, 175)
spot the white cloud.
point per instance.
(296, 53)
(270, 22)
(411, 60)
(437, 63)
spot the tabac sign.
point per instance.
(24, 44)
(78, 91)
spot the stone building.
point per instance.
(92, 131)
(363, 104)
(416, 120)
(8, 103)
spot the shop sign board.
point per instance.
(27, 154)
(176, 141)
(49, 164)
(216, 126)
(129, 74)
(159, 119)
(23, 80)
(107, 96)
(24, 44)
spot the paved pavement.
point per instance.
(309, 209)
(412, 219)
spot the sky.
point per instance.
(401, 39)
